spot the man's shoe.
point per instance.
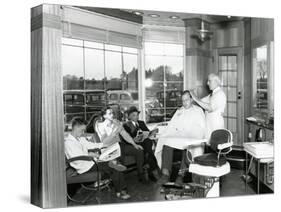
(179, 180)
(163, 179)
(143, 177)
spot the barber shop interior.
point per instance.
(135, 105)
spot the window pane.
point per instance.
(130, 75)
(113, 70)
(94, 69)
(130, 50)
(232, 78)
(72, 67)
(173, 49)
(154, 48)
(174, 68)
(232, 94)
(232, 125)
(232, 111)
(71, 41)
(93, 45)
(112, 47)
(154, 68)
(222, 62)
(173, 94)
(261, 74)
(223, 77)
(154, 103)
(232, 62)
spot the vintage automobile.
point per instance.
(126, 98)
(86, 104)
(171, 100)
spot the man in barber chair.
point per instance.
(188, 122)
(142, 136)
(77, 145)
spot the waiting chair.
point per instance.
(208, 168)
(72, 177)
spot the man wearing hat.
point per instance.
(140, 133)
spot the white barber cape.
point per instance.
(79, 147)
(186, 128)
(214, 119)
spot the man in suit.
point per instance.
(142, 136)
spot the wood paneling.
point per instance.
(198, 59)
(228, 34)
(48, 183)
(262, 31)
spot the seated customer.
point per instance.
(110, 130)
(188, 122)
(141, 135)
(77, 145)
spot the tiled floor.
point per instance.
(232, 185)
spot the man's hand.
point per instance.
(138, 147)
(138, 138)
(94, 154)
(192, 94)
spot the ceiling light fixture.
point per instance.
(203, 34)
(154, 15)
(174, 17)
(138, 12)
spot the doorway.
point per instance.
(230, 70)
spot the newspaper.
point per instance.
(110, 153)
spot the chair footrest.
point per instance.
(209, 170)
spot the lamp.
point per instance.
(203, 34)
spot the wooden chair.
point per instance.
(72, 177)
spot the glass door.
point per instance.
(229, 65)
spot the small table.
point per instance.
(262, 152)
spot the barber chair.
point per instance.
(208, 168)
(72, 177)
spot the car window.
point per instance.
(178, 94)
(125, 96)
(78, 99)
(113, 96)
(135, 96)
(94, 98)
(68, 99)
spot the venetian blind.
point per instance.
(86, 25)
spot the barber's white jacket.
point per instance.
(79, 147)
(214, 119)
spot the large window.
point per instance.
(93, 71)
(163, 80)
(263, 77)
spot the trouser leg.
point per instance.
(117, 177)
(129, 150)
(149, 155)
(167, 158)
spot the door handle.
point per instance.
(239, 96)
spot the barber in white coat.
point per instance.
(213, 104)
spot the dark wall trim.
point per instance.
(198, 52)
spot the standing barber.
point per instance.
(213, 104)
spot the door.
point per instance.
(230, 70)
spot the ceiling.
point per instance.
(162, 18)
